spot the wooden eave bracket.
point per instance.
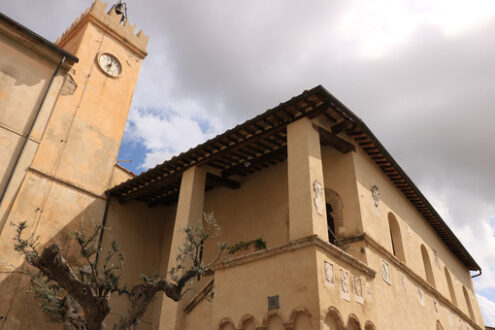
(329, 138)
(344, 125)
(253, 163)
(215, 180)
(151, 186)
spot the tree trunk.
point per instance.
(55, 267)
(141, 296)
(73, 320)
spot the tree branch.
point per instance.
(55, 267)
(141, 296)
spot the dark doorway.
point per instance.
(330, 224)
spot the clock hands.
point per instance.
(110, 65)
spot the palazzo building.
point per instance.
(351, 242)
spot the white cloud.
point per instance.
(151, 129)
(379, 26)
(419, 73)
(487, 310)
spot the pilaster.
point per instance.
(169, 314)
(306, 187)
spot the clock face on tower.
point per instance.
(109, 64)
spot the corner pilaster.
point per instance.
(306, 188)
(169, 314)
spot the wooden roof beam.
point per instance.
(333, 140)
(215, 180)
(169, 179)
(166, 200)
(341, 127)
(273, 155)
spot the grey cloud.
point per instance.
(430, 100)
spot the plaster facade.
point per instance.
(54, 175)
(294, 269)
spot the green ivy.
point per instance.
(258, 243)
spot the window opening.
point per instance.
(330, 225)
(427, 265)
(396, 237)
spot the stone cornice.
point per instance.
(199, 296)
(333, 250)
(66, 183)
(370, 242)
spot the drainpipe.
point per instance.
(28, 135)
(103, 224)
(479, 274)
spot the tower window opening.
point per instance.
(330, 224)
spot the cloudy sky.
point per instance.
(420, 73)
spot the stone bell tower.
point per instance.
(75, 161)
(82, 142)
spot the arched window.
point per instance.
(353, 323)
(333, 320)
(369, 326)
(451, 287)
(334, 206)
(226, 324)
(275, 322)
(468, 302)
(247, 323)
(427, 264)
(396, 237)
(302, 321)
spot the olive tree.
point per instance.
(78, 295)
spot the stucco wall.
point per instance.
(414, 230)
(51, 211)
(258, 209)
(120, 175)
(339, 175)
(24, 79)
(140, 232)
(243, 290)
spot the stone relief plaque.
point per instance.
(318, 200)
(368, 289)
(404, 282)
(357, 284)
(387, 277)
(375, 193)
(69, 86)
(345, 286)
(329, 274)
(421, 297)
